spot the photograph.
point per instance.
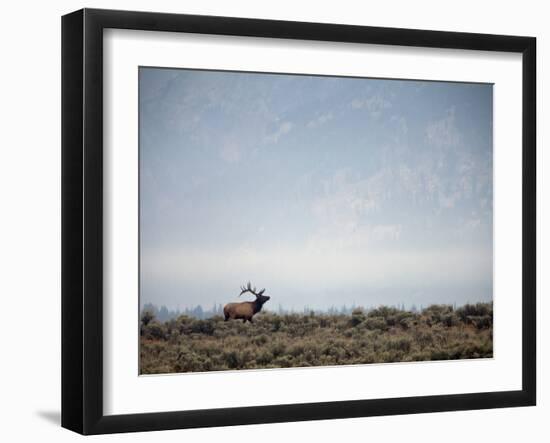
(292, 220)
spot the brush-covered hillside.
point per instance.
(385, 334)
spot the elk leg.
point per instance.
(244, 320)
(250, 320)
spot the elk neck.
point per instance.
(257, 306)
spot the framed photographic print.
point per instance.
(269, 221)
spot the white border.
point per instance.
(126, 392)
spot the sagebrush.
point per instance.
(385, 334)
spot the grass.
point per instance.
(382, 335)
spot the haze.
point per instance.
(327, 191)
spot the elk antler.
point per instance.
(248, 288)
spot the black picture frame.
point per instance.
(82, 218)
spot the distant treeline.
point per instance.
(163, 314)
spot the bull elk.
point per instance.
(246, 309)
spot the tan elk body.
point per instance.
(245, 310)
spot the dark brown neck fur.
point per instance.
(257, 306)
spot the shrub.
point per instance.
(438, 314)
(357, 317)
(383, 311)
(479, 309)
(155, 330)
(449, 319)
(276, 324)
(278, 348)
(264, 357)
(399, 344)
(480, 321)
(232, 359)
(147, 317)
(203, 327)
(260, 340)
(374, 323)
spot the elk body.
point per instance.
(245, 310)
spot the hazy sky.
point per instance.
(324, 190)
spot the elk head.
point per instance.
(260, 297)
